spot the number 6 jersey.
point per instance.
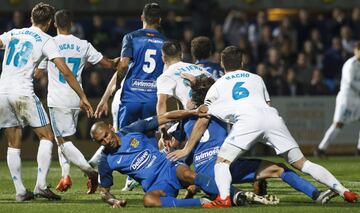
(24, 49)
(237, 93)
(76, 53)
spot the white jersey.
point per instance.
(171, 83)
(237, 93)
(24, 49)
(350, 79)
(75, 52)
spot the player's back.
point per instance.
(237, 93)
(350, 76)
(144, 48)
(24, 49)
(76, 53)
(213, 68)
(171, 82)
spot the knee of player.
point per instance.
(151, 200)
(189, 176)
(277, 169)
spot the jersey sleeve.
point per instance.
(105, 172)
(212, 95)
(50, 49)
(127, 48)
(144, 126)
(5, 38)
(92, 55)
(43, 64)
(165, 85)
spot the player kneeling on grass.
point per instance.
(204, 153)
(130, 151)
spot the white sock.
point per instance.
(358, 145)
(64, 163)
(223, 179)
(14, 164)
(43, 160)
(329, 137)
(323, 176)
(76, 157)
(96, 157)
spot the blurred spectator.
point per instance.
(286, 52)
(311, 54)
(286, 30)
(186, 44)
(218, 39)
(99, 34)
(235, 26)
(316, 41)
(274, 63)
(95, 86)
(172, 28)
(317, 84)
(118, 32)
(334, 24)
(303, 26)
(355, 22)
(347, 42)
(77, 30)
(255, 28)
(303, 69)
(264, 44)
(333, 61)
(17, 21)
(292, 86)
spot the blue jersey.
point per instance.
(213, 68)
(137, 156)
(143, 47)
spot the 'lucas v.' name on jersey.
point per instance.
(143, 47)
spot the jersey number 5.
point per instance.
(239, 92)
(150, 62)
(22, 56)
(75, 68)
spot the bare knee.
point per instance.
(151, 200)
(44, 133)
(276, 170)
(299, 163)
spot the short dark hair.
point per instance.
(231, 58)
(199, 88)
(152, 13)
(63, 19)
(201, 48)
(42, 13)
(171, 49)
(357, 45)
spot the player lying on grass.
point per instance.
(204, 154)
(130, 151)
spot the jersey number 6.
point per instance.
(239, 92)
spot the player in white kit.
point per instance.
(240, 98)
(19, 106)
(347, 107)
(64, 103)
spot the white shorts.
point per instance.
(63, 121)
(115, 105)
(347, 109)
(18, 110)
(265, 127)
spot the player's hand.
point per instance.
(86, 106)
(188, 76)
(102, 108)
(116, 61)
(119, 203)
(178, 154)
(202, 111)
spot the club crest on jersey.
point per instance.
(150, 34)
(134, 143)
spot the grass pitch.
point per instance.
(346, 169)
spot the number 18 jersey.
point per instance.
(237, 93)
(76, 53)
(24, 49)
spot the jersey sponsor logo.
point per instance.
(206, 155)
(143, 85)
(141, 160)
(155, 41)
(134, 143)
(237, 75)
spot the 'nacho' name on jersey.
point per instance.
(237, 75)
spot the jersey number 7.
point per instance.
(75, 68)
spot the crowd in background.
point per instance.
(301, 54)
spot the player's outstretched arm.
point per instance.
(103, 106)
(74, 84)
(196, 134)
(122, 70)
(178, 115)
(1, 44)
(109, 63)
(109, 198)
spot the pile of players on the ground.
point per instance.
(225, 111)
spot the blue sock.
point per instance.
(299, 183)
(169, 202)
(207, 184)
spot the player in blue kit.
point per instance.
(140, 65)
(204, 154)
(201, 51)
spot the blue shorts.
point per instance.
(130, 112)
(168, 181)
(244, 170)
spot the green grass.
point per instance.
(346, 169)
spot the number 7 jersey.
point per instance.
(76, 53)
(237, 93)
(24, 49)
